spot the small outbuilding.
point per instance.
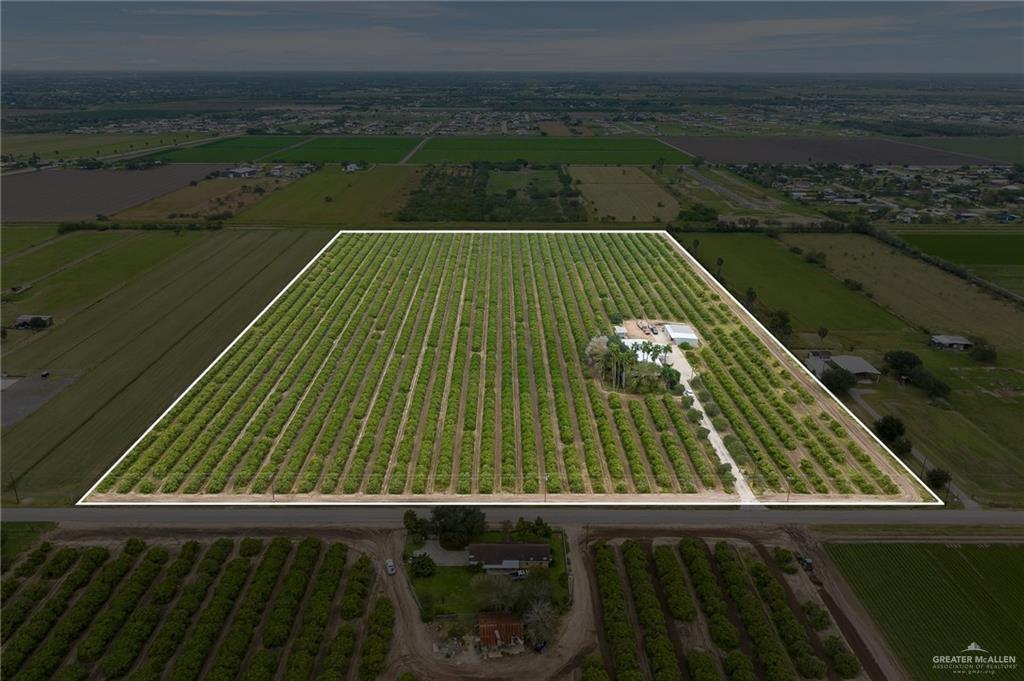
(944, 342)
(620, 331)
(33, 321)
(682, 334)
(509, 557)
(500, 632)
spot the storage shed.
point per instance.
(682, 334)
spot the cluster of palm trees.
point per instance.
(618, 365)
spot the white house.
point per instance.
(682, 334)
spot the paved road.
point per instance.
(377, 516)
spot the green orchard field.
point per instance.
(222, 608)
(428, 365)
(338, 149)
(936, 599)
(231, 150)
(653, 599)
(592, 150)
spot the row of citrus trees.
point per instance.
(765, 396)
(204, 613)
(686, 585)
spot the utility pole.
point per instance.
(14, 486)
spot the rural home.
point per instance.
(682, 334)
(509, 557)
(944, 342)
(33, 321)
(820, 362)
(242, 171)
(500, 632)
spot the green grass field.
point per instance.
(339, 149)
(606, 150)
(55, 146)
(977, 438)
(16, 239)
(934, 599)
(134, 346)
(913, 290)
(67, 290)
(1009, 149)
(365, 197)
(972, 249)
(26, 267)
(998, 257)
(447, 591)
(231, 150)
(782, 280)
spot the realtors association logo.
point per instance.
(974, 660)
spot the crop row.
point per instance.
(235, 610)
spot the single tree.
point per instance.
(938, 478)
(822, 332)
(889, 428)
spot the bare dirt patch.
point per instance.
(83, 194)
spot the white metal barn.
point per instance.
(682, 334)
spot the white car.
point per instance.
(389, 567)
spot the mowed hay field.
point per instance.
(417, 364)
(16, 239)
(360, 198)
(60, 146)
(181, 610)
(349, 149)
(995, 256)
(936, 599)
(213, 197)
(916, 291)
(231, 150)
(782, 280)
(603, 150)
(133, 340)
(625, 194)
(70, 272)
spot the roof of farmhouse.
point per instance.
(854, 364)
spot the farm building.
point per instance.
(500, 632)
(620, 331)
(242, 171)
(820, 362)
(951, 342)
(33, 321)
(682, 334)
(509, 557)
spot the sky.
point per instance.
(775, 37)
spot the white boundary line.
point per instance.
(476, 500)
